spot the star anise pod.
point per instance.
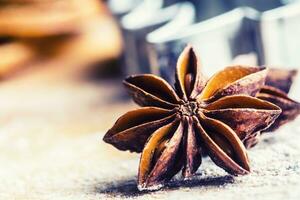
(278, 84)
(290, 108)
(175, 126)
(281, 79)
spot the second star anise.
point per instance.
(175, 126)
(278, 84)
(275, 90)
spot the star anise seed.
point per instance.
(175, 126)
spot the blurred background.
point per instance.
(249, 32)
(62, 63)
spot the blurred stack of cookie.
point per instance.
(31, 30)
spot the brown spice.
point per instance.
(174, 127)
(281, 79)
(278, 84)
(290, 108)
